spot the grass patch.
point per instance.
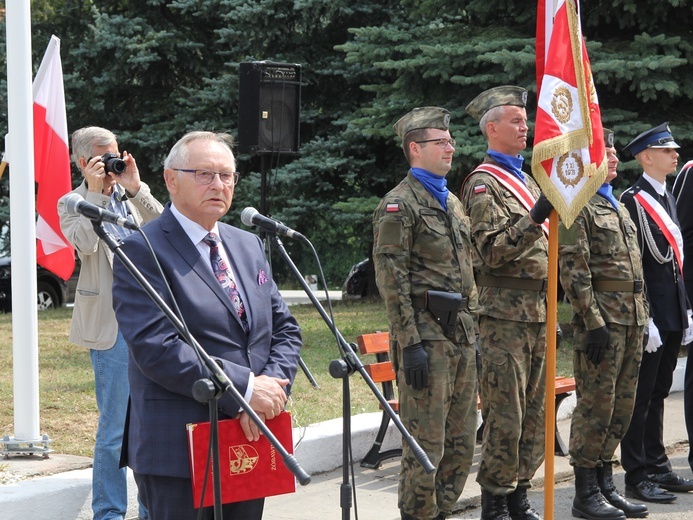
(67, 403)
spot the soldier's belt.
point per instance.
(444, 306)
(634, 286)
(507, 282)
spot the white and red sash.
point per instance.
(514, 185)
(660, 216)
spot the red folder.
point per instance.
(249, 470)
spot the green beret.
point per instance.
(422, 117)
(608, 138)
(495, 97)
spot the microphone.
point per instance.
(76, 205)
(252, 217)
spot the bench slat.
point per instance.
(375, 343)
(380, 372)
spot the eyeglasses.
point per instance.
(441, 143)
(207, 176)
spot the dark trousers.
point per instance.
(170, 498)
(688, 402)
(642, 448)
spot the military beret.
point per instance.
(657, 137)
(608, 138)
(422, 117)
(495, 97)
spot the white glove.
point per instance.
(655, 340)
(688, 333)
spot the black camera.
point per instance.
(112, 163)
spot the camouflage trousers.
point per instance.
(512, 391)
(605, 395)
(442, 419)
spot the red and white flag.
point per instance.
(51, 163)
(568, 159)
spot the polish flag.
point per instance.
(569, 157)
(52, 163)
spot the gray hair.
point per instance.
(179, 153)
(85, 139)
(493, 115)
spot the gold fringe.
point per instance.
(559, 145)
(595, 178)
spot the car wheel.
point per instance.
(47, 298)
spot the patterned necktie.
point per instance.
(223, 275)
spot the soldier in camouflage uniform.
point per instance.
(601, 273)
(423, 267)
(507, 211)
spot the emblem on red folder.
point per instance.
(242, 459)
(253, 468)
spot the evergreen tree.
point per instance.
(152, 70)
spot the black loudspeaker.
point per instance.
(269, 102)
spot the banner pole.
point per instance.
(551, 318)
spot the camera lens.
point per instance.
(112, 163)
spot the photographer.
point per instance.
(112, 183)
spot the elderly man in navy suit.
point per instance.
(221, 282)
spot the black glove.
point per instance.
(415, 364)
(596, 343)
(540, 212)
(645, 336)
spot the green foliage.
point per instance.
(152, 70)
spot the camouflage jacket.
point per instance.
(419, 246)
(602, 244)
(508, 244)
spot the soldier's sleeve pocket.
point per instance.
(390, 236)
(568, 236)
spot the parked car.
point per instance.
(52, 291)
(356, 283)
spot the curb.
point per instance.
(67, 495)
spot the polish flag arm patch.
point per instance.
(392, 207)
(479, 189)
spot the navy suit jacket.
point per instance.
(163, 367)
(666, 292)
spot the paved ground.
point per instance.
(43, 497)
(377, 489)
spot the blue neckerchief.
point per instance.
(434, 184)
(510, 163)
(605, 191)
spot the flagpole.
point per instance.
(22, 223)
(551, 318)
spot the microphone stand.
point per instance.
(301, 363)
(343, 368)
(219, 381)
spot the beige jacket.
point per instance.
(93, 321)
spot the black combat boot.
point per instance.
(589, 502)
(494, 507)
(608, 488)
(518, 506)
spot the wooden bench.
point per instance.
(381, 371)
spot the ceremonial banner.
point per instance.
(51, 163)
(568, 160)
(249, 470)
